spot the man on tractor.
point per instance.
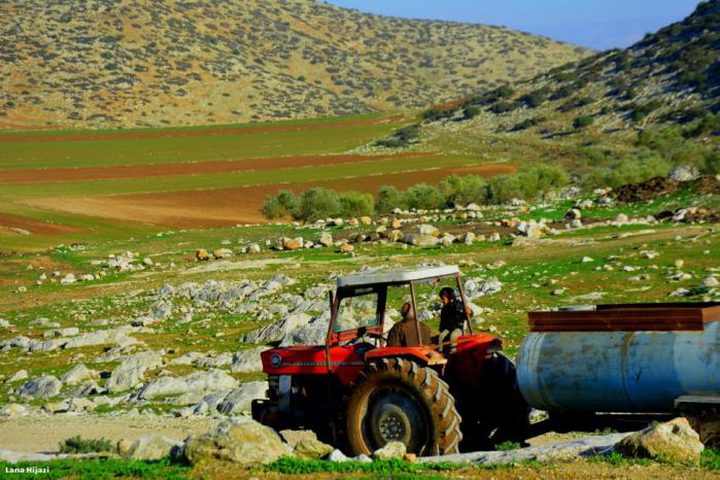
(405, 332)
(360, 391)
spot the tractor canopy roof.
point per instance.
(397, 277)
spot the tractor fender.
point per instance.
(422, 355)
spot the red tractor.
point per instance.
(358, 393)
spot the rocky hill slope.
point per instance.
(124, 63)
(671, 77)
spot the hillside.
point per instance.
(669, 80)
(133, 63)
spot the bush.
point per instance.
(628, 170)
(710, 162)
(387, 199)
(527, 183)
(502, 107)
(535, 98)
(82, 445)
(423, 196)
(317, 203)
(643, 110)
(503, 188)
(470, 112)
(356, 204)
(435, 114)
(462, 190)
(542, 179)
(401, 138)
(279, 206)
(582, 122)
(527, 123)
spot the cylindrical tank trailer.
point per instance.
(622, 359)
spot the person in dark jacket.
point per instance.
(452, 319)
(405, 332)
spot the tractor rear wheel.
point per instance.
(398, 400)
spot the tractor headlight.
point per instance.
(275, 360)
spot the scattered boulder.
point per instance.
(132, 370)
(710, 281)
(305, 444)
(100, 337)
(337, 456)
(430, 230)
(247, 360)
(239, 400)
(78, 374)
(239, 440)
(221, 253)
(277, 331)
(17, 376)
(420, 240)
(46, 386)
(197, 382)
(391, 450)
(346, 248)
(468, 238)
(201, 255)
(13, 410)
(150, 448)
(673, 441)
(684, 173)
(291, 243)
(325, 239)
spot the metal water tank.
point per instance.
(640, 371)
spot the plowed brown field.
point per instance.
(230, 206)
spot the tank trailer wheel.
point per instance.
(398, 400)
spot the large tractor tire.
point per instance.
(398, 400)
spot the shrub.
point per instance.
(356, 204)
(401, 138)
(77, 444)
(502, 107)
(582, 122)
(423, 196)
(462, 190)
(387, 199)
(535, 98)
(643, 110)
(527, 183)
(628, 170)
(272, 209)
(503, 188)
(435, 114)
(279, 206)
(541, 179)
(710, 162)
(317, 203)
(527, 123)
(470, 112)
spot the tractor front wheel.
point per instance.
(398, 400)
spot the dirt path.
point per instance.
(42, 434)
